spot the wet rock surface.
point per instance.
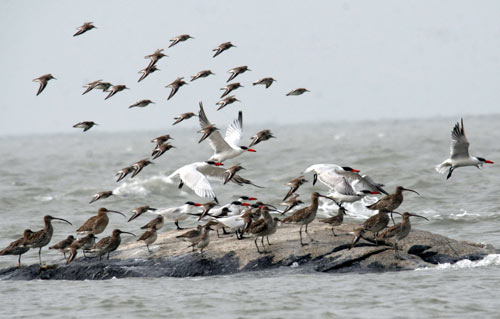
(226, 255)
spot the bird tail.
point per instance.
(443, 167)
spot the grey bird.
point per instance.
(160, 149)
(261, 136)
(226, 101)
(147, 71)
(182, 117)
(142, 103)
(100, 195)
(115, 89)
(154, 57)
(138, 166)
(84, 28)
(44, 79)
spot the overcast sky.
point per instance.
(361, 60)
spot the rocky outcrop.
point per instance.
(226, 255)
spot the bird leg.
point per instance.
(218, 236)
(255, 241)
(267, 237)
(181, 184)
(40, 255)
(392, 218)
(107, 257)
(300, 234)
(312, 239)
(177, 224)
(333, 232)
(147, 246)
(19, 262)
(224, 231)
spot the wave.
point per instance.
(144, 187)
(489, 260)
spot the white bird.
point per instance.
(331, 175)
(180, 213)
(225, 148)
(344, 193)
(459, 153)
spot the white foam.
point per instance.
(143, 187)
(44, 198)
(489, 260)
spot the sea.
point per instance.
(58, 174)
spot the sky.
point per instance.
(361, 60)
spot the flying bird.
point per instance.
(147, 71)
(154, 57)
(459, 153)
(84, 28)
(86, 125)
(44, 79)
(115, 89)
(141, 103)
(201, 74)
(237, 71)
(180, 38)
(261, 136)
(138, 166)
(175, 85)
(222, 47)
(298, 91)
(225, 148)
(226, 101)
(160, 149)
(230, 87)
(182, 117)
(100, 195)
(265, 81)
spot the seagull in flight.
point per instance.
(459, 153)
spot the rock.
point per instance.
(226, 255)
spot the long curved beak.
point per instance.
(64, 220)
(126, 232)
(114, 211)
(411, 190)
(418, 216)
(338, 204)
(397, 213)
(315, 179)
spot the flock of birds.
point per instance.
(345, 184)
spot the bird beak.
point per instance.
(197, 204)
(245, 204)
(114, 211)
(355, 170)
(374, 192)
(64, 220)
(411, 190)
(315, 179)
(153, 209)
(126, 232)
(252, 198)
(251, 150)
(418, 216)
(219, 164)
(396, 213)
(489, 162)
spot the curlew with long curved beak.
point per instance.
(97, 224)
(109, 244)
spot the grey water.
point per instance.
(58, 174)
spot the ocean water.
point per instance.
(58, 174)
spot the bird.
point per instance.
(265, 81)
(139, 211)
(203, 241)
(16, 247)
(224, 148)
(44, 79)
(196, 175)
(201, 74)
(392, 201)
(331, 175)
(161, 139)
(175, 85)
(183, 116)
(84, 243)
(41, 238)
(336, 220)
(294, 185)
(180, 38)
(207, 131)
(115, 89)
(291, 203)
(124, 172)
(298, 91)
(230, 87)
(84, 28)
(230, 172)
(344, 193)
(147, 71)
(64, 244)
(141, 103)
(226, 101)
(149, 237)
(237, 71)
(222, 47)
(109, 244)
(179, 213)
(97, 224)
(305, 215)
(373, 224)
(138, 166)
(206, 209)
(156, 223)
(86, 125)
(90, 86)
(192, 235)
(399, 231)
(459, 153)
(154, 57)
(263, 227)
(261, 136)
(160, 149)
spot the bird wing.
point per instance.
(366, 182)
(234, 131)
(216, 141)
(197, 181)
(344, 188)
(459, 147)
(327, 174)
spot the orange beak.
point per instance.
(251, 150)
(245, 204)
(197, 204)
(489, 162)
(374, 192)
(252, 198)
(218, 164)
(355, 170)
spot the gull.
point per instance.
(84, 28)
(459, 153)
(44, 79)
(222, 47)
(224, 148)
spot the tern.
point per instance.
(459, 153)
(332, 174)
(225, 148)
(344, 193)
(180, 213)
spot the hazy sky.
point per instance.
(360, 59)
